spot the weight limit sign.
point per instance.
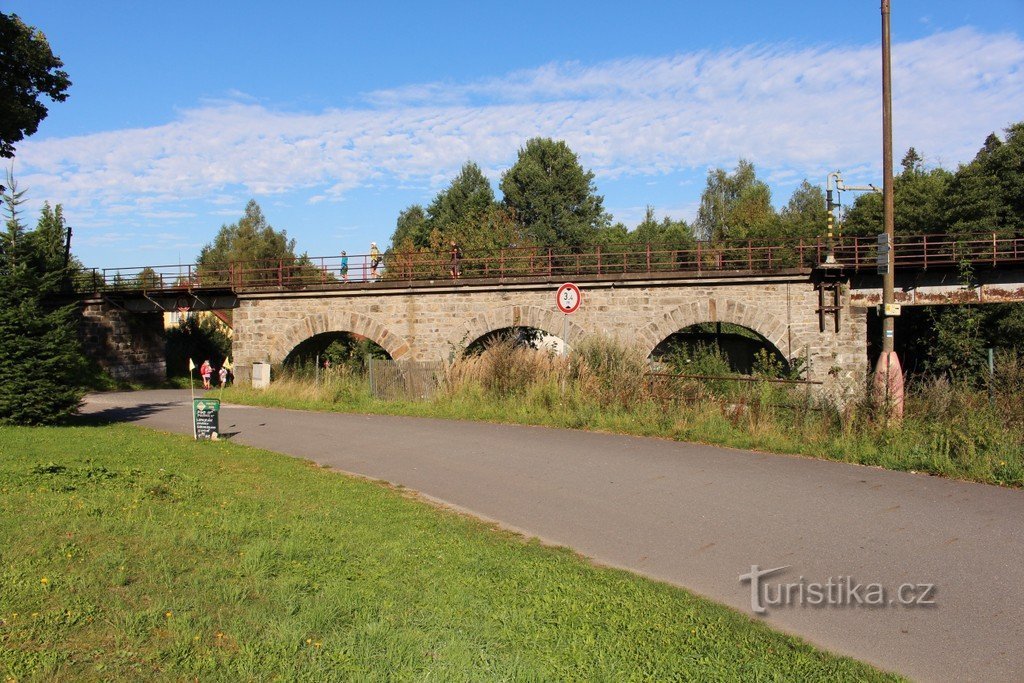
(568, 298)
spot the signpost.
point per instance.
(206, 417)
(884, 247)
(568, 300)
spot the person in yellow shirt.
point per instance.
(374, 260)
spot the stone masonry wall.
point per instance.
(439, 323)
(127, 345)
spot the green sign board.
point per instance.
(206, 417)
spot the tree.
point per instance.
(467, 200)
(412, 230)
(251, 243)
(553, 197)
(197, 337)
(466, 212)
(919, 196)
(735, 206)
(28, 71)
(805, 214)
(988, 193)
(41, 363)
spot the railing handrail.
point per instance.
(700, 256)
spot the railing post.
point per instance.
(924, 248)
(994, 247)
(750, 255)
(549, 262)
(700, 259)
(501, 264)
(599, 259)
(648, 258)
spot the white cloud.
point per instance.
(795, 112)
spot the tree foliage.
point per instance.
(466, 201)
(988, 193)
(551, 194)
(29, 71)
(735, 205)
(805, 214)
(253, 244)
(199, 338)
(919, 196)
(41, 363)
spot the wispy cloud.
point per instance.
(794, 111)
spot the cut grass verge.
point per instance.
(130, 554)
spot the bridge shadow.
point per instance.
(117, 414)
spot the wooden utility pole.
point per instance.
(888, 382)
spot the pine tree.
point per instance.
(40, 359)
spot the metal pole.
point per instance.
(565, 334)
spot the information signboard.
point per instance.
(206, 416)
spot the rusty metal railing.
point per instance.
(917, 252)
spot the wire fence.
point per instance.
(393, 380)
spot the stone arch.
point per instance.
(512, 316)
(341, 321)
(756, 318)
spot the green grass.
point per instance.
(126, 554)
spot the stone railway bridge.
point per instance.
(792, 295)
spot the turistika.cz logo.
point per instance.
(841, 591)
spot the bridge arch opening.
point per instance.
(720, 347)
(519, 336)
(334, 349)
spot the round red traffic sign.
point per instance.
(568, 298)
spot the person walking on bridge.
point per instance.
(374, 260)
(343, 267)
(454, 267)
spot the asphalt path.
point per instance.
(700, 517)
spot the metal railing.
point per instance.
(916, 252)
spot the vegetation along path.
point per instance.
(700, 517)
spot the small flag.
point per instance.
(191, 365)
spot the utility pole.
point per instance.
(888, 382)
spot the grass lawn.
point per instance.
(130, 554)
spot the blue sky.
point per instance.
(337, 115)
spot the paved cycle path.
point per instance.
(700, 517)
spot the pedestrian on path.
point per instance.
(343, 268)
(206, 370)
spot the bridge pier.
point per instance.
(128, 345)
